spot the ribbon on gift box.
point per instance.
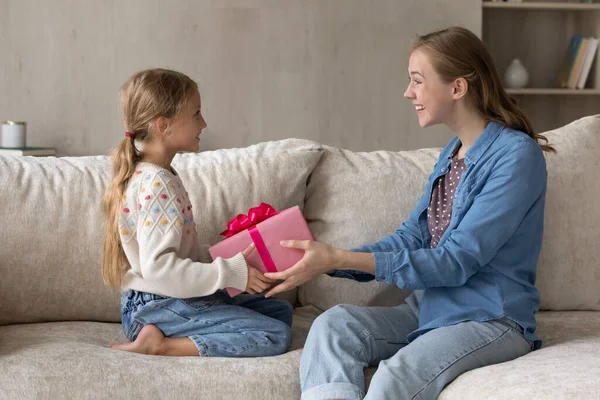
(242, 222)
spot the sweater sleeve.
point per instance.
(160, 233)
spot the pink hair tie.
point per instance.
(130, 135)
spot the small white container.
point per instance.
(516, 75)
(14, 134)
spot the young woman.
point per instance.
(469, 250)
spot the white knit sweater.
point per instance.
(159, 237)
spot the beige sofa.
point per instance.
(57, 319)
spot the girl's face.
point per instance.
(186, 128)
(433, 98)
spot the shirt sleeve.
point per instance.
(517, 181)
(160, 235)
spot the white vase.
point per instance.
(516, 75)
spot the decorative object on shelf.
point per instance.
(14, 134)
(14, 141)
(516, 76)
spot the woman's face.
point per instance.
(432, 97)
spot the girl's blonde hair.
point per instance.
(458, 53)
(145, 97)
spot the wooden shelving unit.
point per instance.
(546, 5)
(538, 33)
(555, 91)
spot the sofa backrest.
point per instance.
(356, 198)
(569, 269)
(51, 229)
(51, 234)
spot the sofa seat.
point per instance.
(72, 360)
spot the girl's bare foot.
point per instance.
(151, 340)
(148, 341)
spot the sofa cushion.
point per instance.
(566, 367)
(224, 183)
(71, 360)
(354, 198)
(569, 270)
(51, 235)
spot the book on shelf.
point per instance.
(27, 151)
(578, 60)
(588, 60)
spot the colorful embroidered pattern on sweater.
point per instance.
(162, 204)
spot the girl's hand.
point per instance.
(257, 282)
(318, 259)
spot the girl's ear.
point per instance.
(161, 126)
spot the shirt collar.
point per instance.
(482, 143)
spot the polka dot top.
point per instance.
(442, 197)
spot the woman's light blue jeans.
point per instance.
(219, 325)
(346, 339)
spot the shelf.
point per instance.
(554, 91)
(542, 6)
(539, 32)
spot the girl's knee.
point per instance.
(287, 308)
(283, 311)
(281, 338)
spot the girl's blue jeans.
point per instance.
(219, 325)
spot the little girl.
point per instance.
(171, 303)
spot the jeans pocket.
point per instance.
(517, 329)
(199, 303)
(511, 324)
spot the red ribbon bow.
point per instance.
(255, 216)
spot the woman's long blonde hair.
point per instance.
(145, 97)
(458, 53)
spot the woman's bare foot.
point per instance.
(151, 340)
(148, 341)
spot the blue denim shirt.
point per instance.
(485, 265)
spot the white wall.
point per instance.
(333, 71)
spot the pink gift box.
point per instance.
(269, 255)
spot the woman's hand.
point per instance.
(318, 259)
(257, 282)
